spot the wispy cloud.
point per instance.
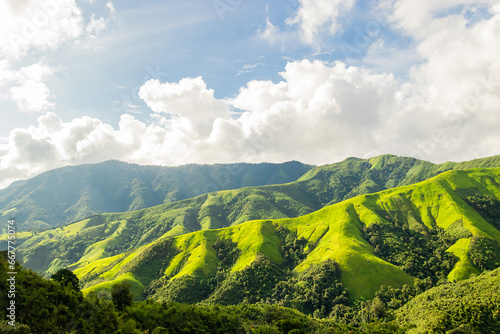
(248, 68)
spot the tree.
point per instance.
(121, 295)
(65, 276)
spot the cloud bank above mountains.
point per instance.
(446, 106)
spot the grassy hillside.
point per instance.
(367, 257)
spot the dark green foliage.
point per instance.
(486, 206)
(5, 328)
(185, 289)
(394, 298)
(420, 254)
(46, 306)
(315, 291)
(227, 253)
(469, 306)
(251, 285)
(485, 253)
(121, 295)
(66, 277)
(292, 248)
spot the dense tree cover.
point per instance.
(47, 306)
(315, 291)
(484, 253)
(420, 254)
(66, 277)
(486, 206)
(292, 248)
(121, 295)
(468, 306)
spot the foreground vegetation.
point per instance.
(57, 306)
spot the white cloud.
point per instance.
(189, 99)
(271, 34)
(315, 17)
(27, 30)
(111, 7)
(96, 26)
(30, 25)
(26, 86)
(313, 20)
(247, 68)
(32, 96)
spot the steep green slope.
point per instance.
(72, 193)
(337, 232)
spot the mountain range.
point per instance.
(370, 217)
(70, 194)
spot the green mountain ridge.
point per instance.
(73, 193)
(112, 234)
(177, 265)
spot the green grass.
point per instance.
(464, 268)
(136, 286)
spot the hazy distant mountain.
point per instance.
(73, 193)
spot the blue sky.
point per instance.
(170, 40)
(207, 81)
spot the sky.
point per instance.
(168, 82)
